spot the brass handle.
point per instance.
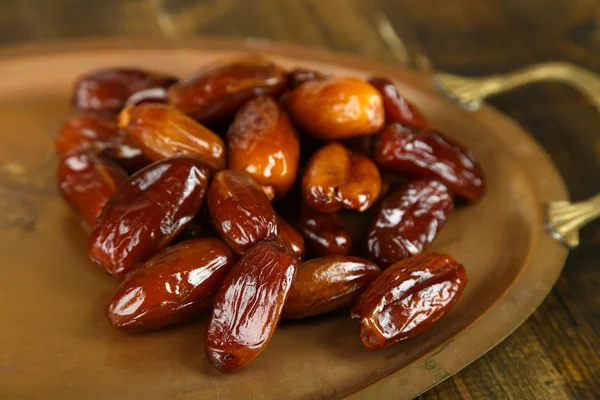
(564, 219)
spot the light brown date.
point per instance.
(336, 108)
(408, 298)
(83, 130)
(263, 143)
(107, 90)
(147, 213)
(405, 150)
(397, 108)
(219, 91)
(290, 237)
(162, 131)
(240, 211)
(87, 182)
(172, 287)
(327, 284)
(324, 233)
(407, 220)
(337, 178)
(248, 306)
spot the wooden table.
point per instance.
(556, 353)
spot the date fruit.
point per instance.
(263, 143)
(148, 211)
(298, 76)
(336, 108)
(405, 150)
(152, 95)
(290, 237)
(83, 130)
(337, 178)
(407, 220)
(397, 108)
(87, 182)
(240, 211)
(248, 306)
(173, 286)
(218, 92)
(408, 298)
(324, 233)
(162, 131)
(327, 284)
(107, 90)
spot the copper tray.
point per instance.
(55, 342)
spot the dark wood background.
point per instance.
(556, 353)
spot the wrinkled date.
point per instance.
(290, 237)
(336, 108)
(397, 108)
(162, 131)
(218, 92)
(87, 182)
(107, 90)
(407, 151)
(147, 213)
(408, 298)
(248, 306)
(83, 130)
(263, 143)
(337, 178)
(324, 233)
(172, 287)
(328, 284)
(408, 219)
(298, 76)
(240, 211)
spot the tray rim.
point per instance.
(546, 257)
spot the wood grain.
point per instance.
(556, 353)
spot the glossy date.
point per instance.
(172, 287)
(147, 213)
(408, 298)
(336, 108)
(240, 211)
(84, 130)
(408, 219)
(324, 233)
(405, 150)
(218, 92)
(290, 237)
(397, 108)
(87, 182)
(248, 306)
(107, 90)
(337, 178)
(262, 142)
(327, 284)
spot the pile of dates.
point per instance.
(224, 193)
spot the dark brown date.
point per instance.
(327, 284)
(248, 306)
(162, 131)
(107, 90)
(263, 143)
(407, 220)
(87, 182)
(147, 213)
(298, 76)
(218, 92)
(324, 233)
(337, 178)
(172, 287)
(83, 130)
(427, 154)
(408, 298)
(336, 108)
(290, 237)
(397, 108)
(240, 211)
